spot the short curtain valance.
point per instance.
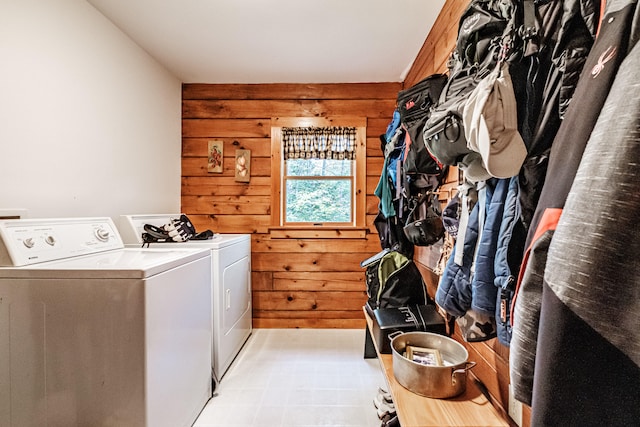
(337, 143)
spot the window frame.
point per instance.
(277, 178)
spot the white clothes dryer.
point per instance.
(95, 334)
(231, 283)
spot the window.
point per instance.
(318, 175)
(318, 172)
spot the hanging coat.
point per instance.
(600, 69)
(507, 261)
(588, 353)
(470, 285)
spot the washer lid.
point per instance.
(124, 263)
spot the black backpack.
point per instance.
(424, 226)
(414, 105)
(487, 30)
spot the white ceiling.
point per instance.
(278, 41)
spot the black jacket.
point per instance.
(552, 63)
(566, 154)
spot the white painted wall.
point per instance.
(90, 125)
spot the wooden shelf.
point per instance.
(469, 409)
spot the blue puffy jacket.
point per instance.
(507, 261)
(471, 285)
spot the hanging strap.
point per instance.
(482, 214)
(423, 198)
(529, 29)
(465, 210)
(603, 7)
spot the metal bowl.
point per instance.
(448, 380)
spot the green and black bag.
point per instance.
(394, 280)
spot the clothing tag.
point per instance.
(504, 303)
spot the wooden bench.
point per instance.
(469, 409)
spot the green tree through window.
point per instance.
(319, 174)
(319, 190)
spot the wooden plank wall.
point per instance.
(492, 358)
(297, 283)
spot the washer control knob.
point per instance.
(102, 234)
(50, 240)
(29, 242)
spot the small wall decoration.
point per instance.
(243, 165)
(215, 156)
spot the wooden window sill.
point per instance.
(318, 232)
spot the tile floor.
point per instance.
(298, 378)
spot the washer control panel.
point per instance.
(31, 241)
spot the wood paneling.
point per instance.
(297, 282)
(310, 261)
(252, 92)
(230, 128)
(266, 244)
(194, 166)
(197, 147)
(243, 205)
(325, 301)
(202, 109)
(293, 281)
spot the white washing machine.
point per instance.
(96, 334)
(231, 283)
